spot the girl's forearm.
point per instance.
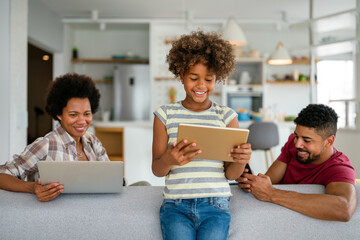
(234, 170)
(160, 168)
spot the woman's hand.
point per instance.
(180, 153)
(47, 192)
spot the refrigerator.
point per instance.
(132, 92)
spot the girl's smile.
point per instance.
(198, 84)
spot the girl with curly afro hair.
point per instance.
(199, 59)
(198, 47)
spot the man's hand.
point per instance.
(243, 181)
(47, 192)
(260, 186)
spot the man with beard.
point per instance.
(309, 157)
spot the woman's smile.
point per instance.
(81, 129)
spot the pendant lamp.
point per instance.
(233, 33)
(280, 56)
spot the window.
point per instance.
(335, 85)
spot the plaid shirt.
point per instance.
(57, 145)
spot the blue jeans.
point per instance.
(199, 218)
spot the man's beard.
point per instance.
(308, 160)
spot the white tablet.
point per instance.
(83, 176)
(215, 142)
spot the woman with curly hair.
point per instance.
(72, 99)
(197, 192)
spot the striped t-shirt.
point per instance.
(199, 178)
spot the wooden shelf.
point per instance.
(110, 129)
(165, 78)
(103, 80)
(291, 82)
(109, 60)
(248, 60)
(301, 61)
(305, 61)
(246, 85)
(116, 158)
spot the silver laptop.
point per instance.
(84, 176)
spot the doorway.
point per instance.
(40, 72)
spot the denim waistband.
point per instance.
(207, 199)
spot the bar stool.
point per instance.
(264, 136)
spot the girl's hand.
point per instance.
(180, 153)
(242, 153)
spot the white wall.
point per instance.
(46, 31)
(347, 141)
(286, 99)
(45, 28)
(5, 79)
(266, 39)
(18, 75)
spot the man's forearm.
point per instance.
(321, 206)
(11, 183)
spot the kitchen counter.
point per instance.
(149, 124)
(290, 125)
(124, 124)
(139, 167)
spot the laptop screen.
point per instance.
(83, 176)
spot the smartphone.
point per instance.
(248, 167)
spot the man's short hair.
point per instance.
(320, 117)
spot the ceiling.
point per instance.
(286, 10)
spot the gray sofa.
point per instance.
(133, 214)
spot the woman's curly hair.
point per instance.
(68, 86)
(207, 48)
(320, 117)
